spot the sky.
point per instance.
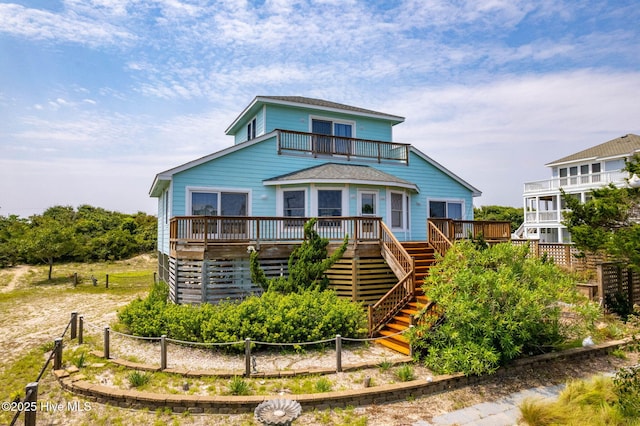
(98, 96)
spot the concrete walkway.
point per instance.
(503, 412)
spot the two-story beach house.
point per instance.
(295, 158)
(577, 174)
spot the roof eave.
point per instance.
(273, 182)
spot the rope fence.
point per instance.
(162, 343)
(79, 329)
(29, 406)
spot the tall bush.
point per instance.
(307, 264)
(498, 304)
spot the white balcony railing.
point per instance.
(590, 180)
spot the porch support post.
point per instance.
(204, 280)
(354, 279)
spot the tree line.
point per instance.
(85, 234)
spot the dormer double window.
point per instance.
(335, 131)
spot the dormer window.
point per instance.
(251, 130)
(333, 144)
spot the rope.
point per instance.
(293, 344)
(183, 342)
(131, 336)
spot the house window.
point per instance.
(397, 210)
(329, 202)
(339, 144)
(368, 204)
(204, 203)
(563, 176)
(445, 209)
(595, 170)
(219, 203)
(251, 130)
(293, 203)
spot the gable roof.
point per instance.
(622, 146)
(319, 104)
(343, 173)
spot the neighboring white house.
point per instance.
(577, 174)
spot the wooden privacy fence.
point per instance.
(616, 279)
(566, 255)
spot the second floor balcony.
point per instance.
(343, 147)
(587, 181)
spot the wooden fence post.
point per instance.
(57, 354)
(338, 353)
(106, 343)
(163, 352)
(106, 282)
(81, 330)
(31, 401)
(247, 357)
(75, 279)
(74, 325)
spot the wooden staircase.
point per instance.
(424, 256)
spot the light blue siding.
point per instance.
(297, 119)
(246, 168)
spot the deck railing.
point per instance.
(490, 230)
(209, 230)
(437, 238)
(403, 265)
(588, 180)
(344, 147)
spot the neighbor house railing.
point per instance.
(592, 179)
(349, 148)
(403, 265)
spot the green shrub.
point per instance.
(405, 373)
(322, 385)
(627, 388)
(80, 360)
(498, 303)
(273, 318)
(291, 318)
(306, 267)
(238, 386)
(138, 379)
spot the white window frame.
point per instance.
(447, 201)
(252, 128)
(333, 120)
(376, 207)
(208, 189)
(406, 214)
(344, 198)
(280, 200)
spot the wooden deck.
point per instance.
(209, 259)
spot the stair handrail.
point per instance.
(394, 253)
(389, 304)
(438, 239)
(403, 265)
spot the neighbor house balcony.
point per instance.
(342, 147)
(587, 181)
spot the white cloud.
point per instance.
(44, 25)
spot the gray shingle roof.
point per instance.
(333, 172)
(327, 104)
(622, 146)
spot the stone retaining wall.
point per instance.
(222, 404)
